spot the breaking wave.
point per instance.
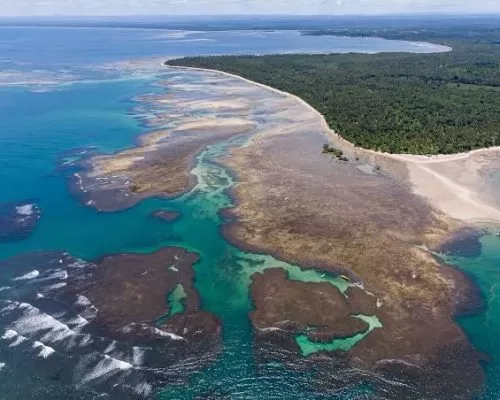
(53, 332)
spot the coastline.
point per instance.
(459, 201)
(310, 209)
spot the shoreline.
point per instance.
(461, 202)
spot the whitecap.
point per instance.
(144, 389)
(33, 321)
(45, 351)
(137, 356)
(30, 275)
(4, 288)
(77, 322)
(172, 336)
(110, 347)
(19, 339)
(82, 301)
(2, 366)
(9, 334)
(118, 364)
(10, 307)
(270, 329)
(25, 210)
(55, 286)
(77, 264)
(104, 367)
(60, 274)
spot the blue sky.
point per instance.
(131, 7)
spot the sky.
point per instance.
(201, 7)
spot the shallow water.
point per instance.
(484, 330)
(97, 109)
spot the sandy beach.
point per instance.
(453, 183)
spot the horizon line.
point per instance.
(288, 15)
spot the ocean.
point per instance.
(63, 89)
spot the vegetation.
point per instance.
(327, 149)
(394, 102)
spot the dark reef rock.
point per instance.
(467, 296)
(284, 308)
(104, 326)
(361, 303)
(18, 220)
(166, 215)
(346, 328)
(464, 243)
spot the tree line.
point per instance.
(394, 102)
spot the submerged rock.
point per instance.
(166, 215)
(464, 243)
(18, 220)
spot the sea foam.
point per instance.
(44, 351)
(33, 321)
(30, 275)
(12, 334)
(82, 301)
(104, 367)
(25, 210)
(172, 336)
(9, 334)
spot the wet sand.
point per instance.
(454, 184)
(209, 111)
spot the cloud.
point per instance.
(131, 7)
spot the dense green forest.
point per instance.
(395, 102)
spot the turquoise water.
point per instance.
(76, 116)
(484, 330)
(37, 127)
(175, 300)
(223, 277)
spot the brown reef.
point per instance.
(161, 163)
(105, 326)
(294, 307)
(130, 293)
(306, 208)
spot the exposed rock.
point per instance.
(285, 308)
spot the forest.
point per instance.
(394, 102)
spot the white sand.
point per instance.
(456, 184)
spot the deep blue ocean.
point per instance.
(66, 88)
